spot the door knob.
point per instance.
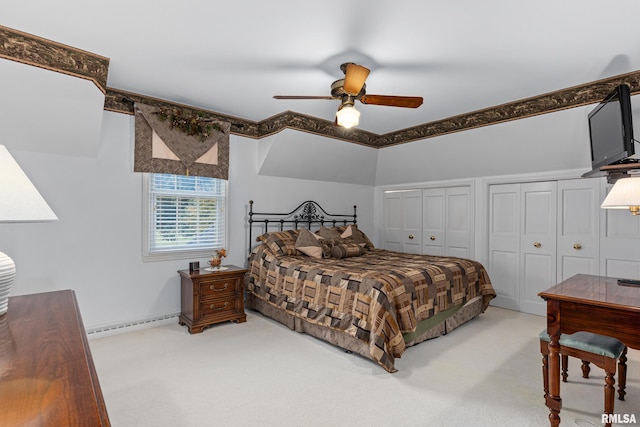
(410, 236)
(433, 237)
(537, 244)
(577, 246)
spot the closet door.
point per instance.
(433, 221)
(403, 221)
(447, 221)
(458, 222)
(538, 206)
(578, 227)
(504, 244)
(619, 242)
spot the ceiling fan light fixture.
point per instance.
(347, 116)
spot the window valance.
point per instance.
(179, 141)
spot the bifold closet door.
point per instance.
(538, 202)
(504, 244)
(447, 221)
(433, 221)
(459, 224)
(522, 243)
(578, 240)
(403, 221)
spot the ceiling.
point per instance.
(232, 57)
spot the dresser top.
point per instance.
(47, 376)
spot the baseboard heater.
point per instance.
(121, 328)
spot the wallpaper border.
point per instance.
(32, 50)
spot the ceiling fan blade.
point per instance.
(393, 101)
(303, 97)
(354, 77)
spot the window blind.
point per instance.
(186, 213)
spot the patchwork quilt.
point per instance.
(374, 297)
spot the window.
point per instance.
(185, 216)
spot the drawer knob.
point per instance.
(410, 236)
(537, 244)
(213, 287)
(577, 246)
(432, 237)
(213, 307)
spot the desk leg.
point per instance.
(554, 402)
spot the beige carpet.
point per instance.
(259, 373)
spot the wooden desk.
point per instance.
(588, 303)
(47, 376)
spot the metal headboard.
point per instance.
(307, 214)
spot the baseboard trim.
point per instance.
(135, 325)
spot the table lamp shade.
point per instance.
(625, 194)
(20, 201)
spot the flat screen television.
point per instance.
(611, 130)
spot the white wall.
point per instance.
(95, 247)
(548, 142)
(548, 146)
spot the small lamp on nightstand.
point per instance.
(19, 202)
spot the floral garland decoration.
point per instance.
(193, 124)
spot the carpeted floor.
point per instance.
(259, 373)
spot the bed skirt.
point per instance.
(428, 329)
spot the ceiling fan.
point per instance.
(353, 88)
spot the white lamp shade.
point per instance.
(20, 201)
(348, 116)
(625, 194)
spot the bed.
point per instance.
(319, 274)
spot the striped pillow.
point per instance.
(346, 250)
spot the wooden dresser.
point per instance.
(47, 376)
(209, 297)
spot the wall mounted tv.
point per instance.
(611, 130)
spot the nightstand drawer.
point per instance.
(218, 288)
(217, 307)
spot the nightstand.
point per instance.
(209, 297)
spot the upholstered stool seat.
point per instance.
(604, 352)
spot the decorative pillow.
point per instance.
(309, 244)
(326, 250)
(329, 233)
(357, 236)
(327, 244)
(346, 250)
(283, 242)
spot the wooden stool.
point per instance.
(604, 352)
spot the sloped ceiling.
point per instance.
(294, 155)
(469, 60)
(50, 112)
